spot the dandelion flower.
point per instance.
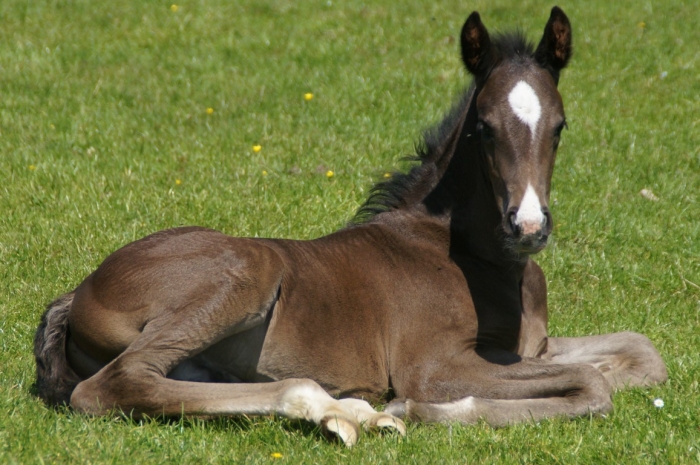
(174, 8)
(257, 148)
(387, 175)
(32, 167)
(264, 173)
(210, 111)
(178, 182)
(308, 96)
(330, 174)
(658, 403)
(276, 455)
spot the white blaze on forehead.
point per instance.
(524, 102)
(530, 211)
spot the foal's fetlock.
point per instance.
(597, 392)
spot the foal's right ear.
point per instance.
(476, 46)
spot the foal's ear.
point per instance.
(476, 46)
(554, 49)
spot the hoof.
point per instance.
(387, 422)
(397, 409)
(346, 430)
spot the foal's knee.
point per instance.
(596, 390)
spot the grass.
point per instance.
(105, 137)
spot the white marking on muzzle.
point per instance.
(525, 104)
(529, 217)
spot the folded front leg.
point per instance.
(528, 390)
(625, 359)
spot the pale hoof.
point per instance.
(388, 422)
(370, 419)
(346, 430)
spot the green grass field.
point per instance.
(105, 136)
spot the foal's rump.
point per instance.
(157, 285)
(213, 308)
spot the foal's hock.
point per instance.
(429, 298)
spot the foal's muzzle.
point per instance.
(528, 236)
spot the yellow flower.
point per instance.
(641, 25)
(210, 111)
(173, 8)
(330, 174)
(308, 96)
(257, 148)
(276, 455)
(32, 167)
(264, 173)
(178, 182)
(387, 175)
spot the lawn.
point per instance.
(118, 119)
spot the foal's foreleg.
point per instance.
(530, 390)
(625, 359)
(533, 324)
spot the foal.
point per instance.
(430, 297)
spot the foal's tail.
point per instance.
(55, 379)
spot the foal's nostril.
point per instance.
(514, 228)
(547, 222)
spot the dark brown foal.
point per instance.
(430, 298)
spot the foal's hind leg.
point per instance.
(626, 359)
(142, 393)
(136, 382)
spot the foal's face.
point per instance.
(520, 120)
(521, 117)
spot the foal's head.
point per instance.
(520, 119)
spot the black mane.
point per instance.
(399, 190)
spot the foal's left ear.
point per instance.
(554, 49)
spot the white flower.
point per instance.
(658, 403)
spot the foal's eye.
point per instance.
(485, 131)
(560, 128)
(557, 133)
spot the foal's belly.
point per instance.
(235, 358)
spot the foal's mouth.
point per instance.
(531, 244)
(525, 245)
(527, 239)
